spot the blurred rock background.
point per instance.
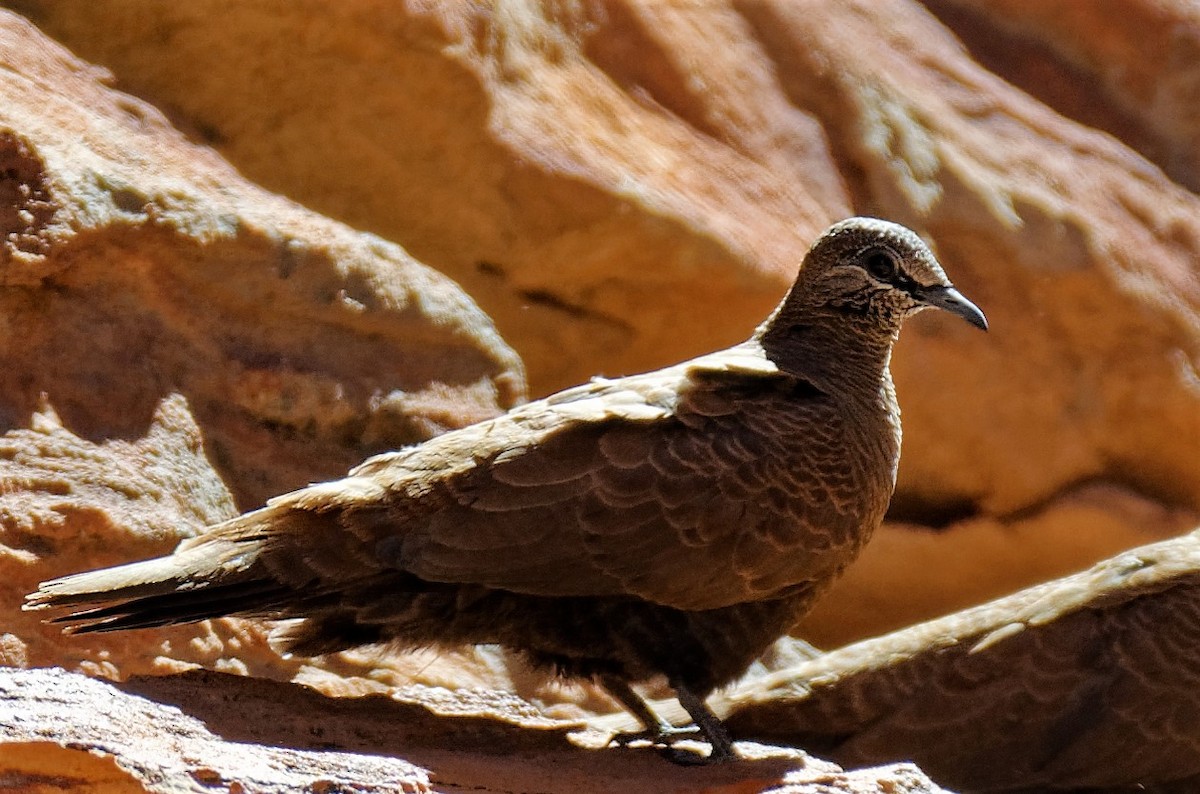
(612, 186)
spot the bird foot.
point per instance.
(683, 757)
(665, 735)
(664, 739)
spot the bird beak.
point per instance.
(951, 300)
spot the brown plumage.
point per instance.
(673, 523)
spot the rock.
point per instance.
(621, 185)
(1134, 80)
(565, 166)
(136, 264)
(195, 731)
(624, 184)
(1086, 296)
(980, 558)
(1086, 682)
(66, 504)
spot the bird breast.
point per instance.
(798, 480)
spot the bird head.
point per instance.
(879, 271)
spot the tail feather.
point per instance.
(210, 579)
(243, 598)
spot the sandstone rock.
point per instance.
(136, 264)
(197, 731)
(66, 503)
(571, 166)
(621, 184)
(1087, 682)
(628, 182)
(981, 558)
(1086, 297)
(1135, 80)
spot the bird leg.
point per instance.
(709, 725)
(656, 730)
(661, 732)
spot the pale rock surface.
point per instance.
(622, 184)
(142, 279)
(194, 732)
(614, 200)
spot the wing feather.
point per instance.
(679, 487)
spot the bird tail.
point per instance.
(209, 576)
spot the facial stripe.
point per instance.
(900, 281)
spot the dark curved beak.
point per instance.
(951, 300)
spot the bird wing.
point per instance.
(682, 487)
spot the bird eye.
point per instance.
(881, 265)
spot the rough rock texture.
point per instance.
(135, 264)
(620, 184)
(624, 183)
(197, 732)
(1135, 80)
(524, 149)
(1088, 681)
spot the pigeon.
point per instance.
(669, 525)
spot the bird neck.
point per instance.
(829, 348)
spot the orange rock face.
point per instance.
(161, 314)
(1087, 682)
(613, 200)
(619, 185)
(197, 732)
(136, 264)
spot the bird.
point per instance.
(668, 525)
